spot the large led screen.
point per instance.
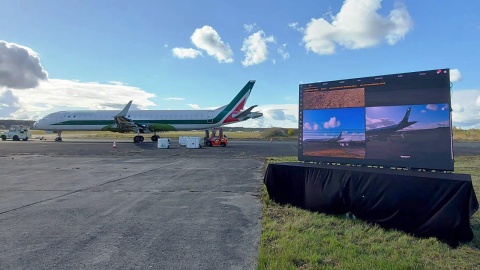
(399, 120)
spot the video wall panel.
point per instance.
(398, 120)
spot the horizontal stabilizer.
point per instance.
(245, 113)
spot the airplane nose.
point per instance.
(35, 125)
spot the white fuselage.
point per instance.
(96, 120)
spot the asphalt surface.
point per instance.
(86, 205)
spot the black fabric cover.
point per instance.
(422, 203)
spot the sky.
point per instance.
(89, 54)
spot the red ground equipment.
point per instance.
(215, 138)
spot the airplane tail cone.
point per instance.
(114, 145)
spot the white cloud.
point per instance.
(56, 94)
(357, 25)
(432, 107)
(174, 98)
(372, 123)
(466, 108)
(255, 48)
(206, 38)
(455, 75)
(307, 126)
(294, 26)
(272, 118)
(283, 52)
(457, 108)
(117, 83)
(331, 123)
(27, 93)
(183, 53)
(279, 114)
(194, 106)
(9, 104)
(20, 67)
(249, 27)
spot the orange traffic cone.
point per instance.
(114, 145)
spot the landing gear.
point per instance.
(59, 136)
(138, 139)
(155, 138)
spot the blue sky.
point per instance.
(198, 54)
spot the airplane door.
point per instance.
(61, 118)
(210, 117)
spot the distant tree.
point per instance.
(274, 132)
(291, 132)
(161, 127)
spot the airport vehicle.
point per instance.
(384, 132)
(150, 121)
(17, 133)
(215, 138)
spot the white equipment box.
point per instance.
(182, 140)
(194, 142)
(163, 143)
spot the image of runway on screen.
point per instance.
(416, 134)
(334, 133)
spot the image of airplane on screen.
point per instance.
(334, 125)
(392, 128)
(334, 139)
(396, 121)
(338, 133)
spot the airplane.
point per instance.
(335, 139)
(149, 121)
(327, 140)
(388, 130)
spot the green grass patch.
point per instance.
(293, 238)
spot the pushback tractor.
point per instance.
(16, 133)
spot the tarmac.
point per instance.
(86, 205)
(82, 204)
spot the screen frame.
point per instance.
(403, 89)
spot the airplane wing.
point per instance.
(245, 112)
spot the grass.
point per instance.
(293, 238)
(470, 135)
